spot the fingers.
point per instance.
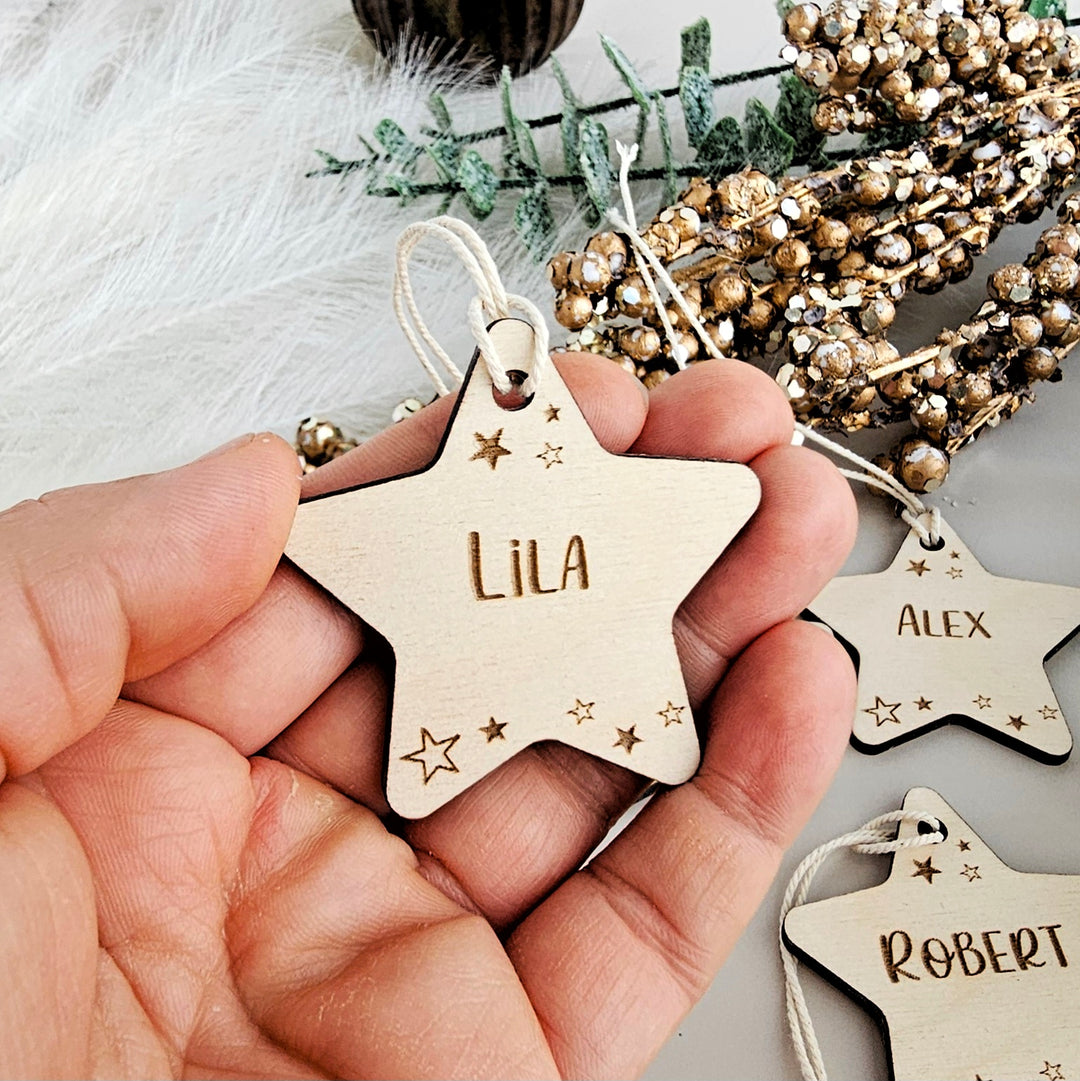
(641, 932)
(115, 581)
(797, 540)
(256, 677)
(48, 941)
(344, 954)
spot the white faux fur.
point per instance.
(168, 276)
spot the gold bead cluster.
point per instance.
(911, 60)
(319, 441)
(806, 272)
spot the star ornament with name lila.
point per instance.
(973, 968)
(527, 580)
(940, 639)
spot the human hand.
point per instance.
(201, 876)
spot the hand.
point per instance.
(200, 877)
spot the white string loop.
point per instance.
(875, 838)
(491, 302)
(924, 520)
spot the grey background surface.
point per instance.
(1015, 499)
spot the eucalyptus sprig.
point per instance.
(447, 163)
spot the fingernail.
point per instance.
(232, 444)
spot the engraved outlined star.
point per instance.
(1051, 1073)
(955, 572)
(978, 635)
(627, 738)
(924, 702)
(426, 754)
(491, 450)
(671, 713)
(552, 413)
(550, 456)
(925, 869)
(414, 581)
(1048, 713)
(493, 729)
(839, 937)
(920, 567)
(970, 873)
(878, 706)
(1017, 722)
(582, 711)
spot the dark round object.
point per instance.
(520, 34)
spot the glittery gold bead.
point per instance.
(840, 21)
(864, 357)
(769, 231)
(931, 412)
(921, 466)
(801, 23)
(1063, 239)
(655, 378)
(853, 58)
(1057, 274)
(934, 72)
(612, 247)
(831, 117)
(833, 359)
(893, 249)
(342, 446)
(728, 291)
(590, 272)
(315, 437)
(877, 315)
(1021, 30)
(760, 316)
(791, 256)
(970, 391)
(663, 238)
(632, 298)
(685, 220)
(852, 265)
(956, 262)
(898, 388)
(937, 371)
(927, 236)
(558, 268)
(627, 364)
(1011, 283)
(872, 188)
(1058, 320)
(684, 348)
(887, 465)
(831, 234)
(816, 67)
(698, 195)
(1026, 329)
(922, 31)
(573, 309)
(406, 408)
(895, 85)
(1039, 363)
(639, 343)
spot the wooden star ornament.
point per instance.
(527, 580)
(973, 970)
(939, 639)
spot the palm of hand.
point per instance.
(180, 904)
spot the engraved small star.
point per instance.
(509, 593)
(965, 646)
(978, 976)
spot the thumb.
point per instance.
(112, 582)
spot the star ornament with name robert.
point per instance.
(974, 970)
(527, 595)
(952, 643)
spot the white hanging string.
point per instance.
(875, 838)
(491, 302)
(925, 521)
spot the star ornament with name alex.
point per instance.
(939, 640)
(528, 595)
(973, 970)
